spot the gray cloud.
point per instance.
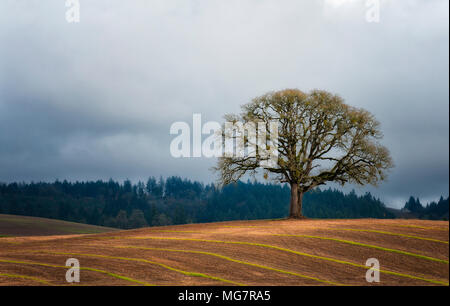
(96, 99)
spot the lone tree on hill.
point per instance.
(320, 139)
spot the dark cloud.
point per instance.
(96, 99)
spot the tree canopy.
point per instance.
(319, 139)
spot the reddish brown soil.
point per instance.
(261, 253)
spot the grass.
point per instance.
(259, 260)
(338, 229)
(81, 268)
(367, 246)
(236, 261)
(348, 242)
(423, 227)
(388, 233)
(187, 273)
(301, 254)
(42, 281)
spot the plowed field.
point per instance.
(276, 252)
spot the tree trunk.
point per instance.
(294, 201)
(295, 210)
(300, 205)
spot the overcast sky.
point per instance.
(95, 99)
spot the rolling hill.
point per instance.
(14, 225)
(264, 252)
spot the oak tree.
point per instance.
(320, 139)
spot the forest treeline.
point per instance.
(432, 211)
(175, 201)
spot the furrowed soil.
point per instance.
(264, 252)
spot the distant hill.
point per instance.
(11, 225)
